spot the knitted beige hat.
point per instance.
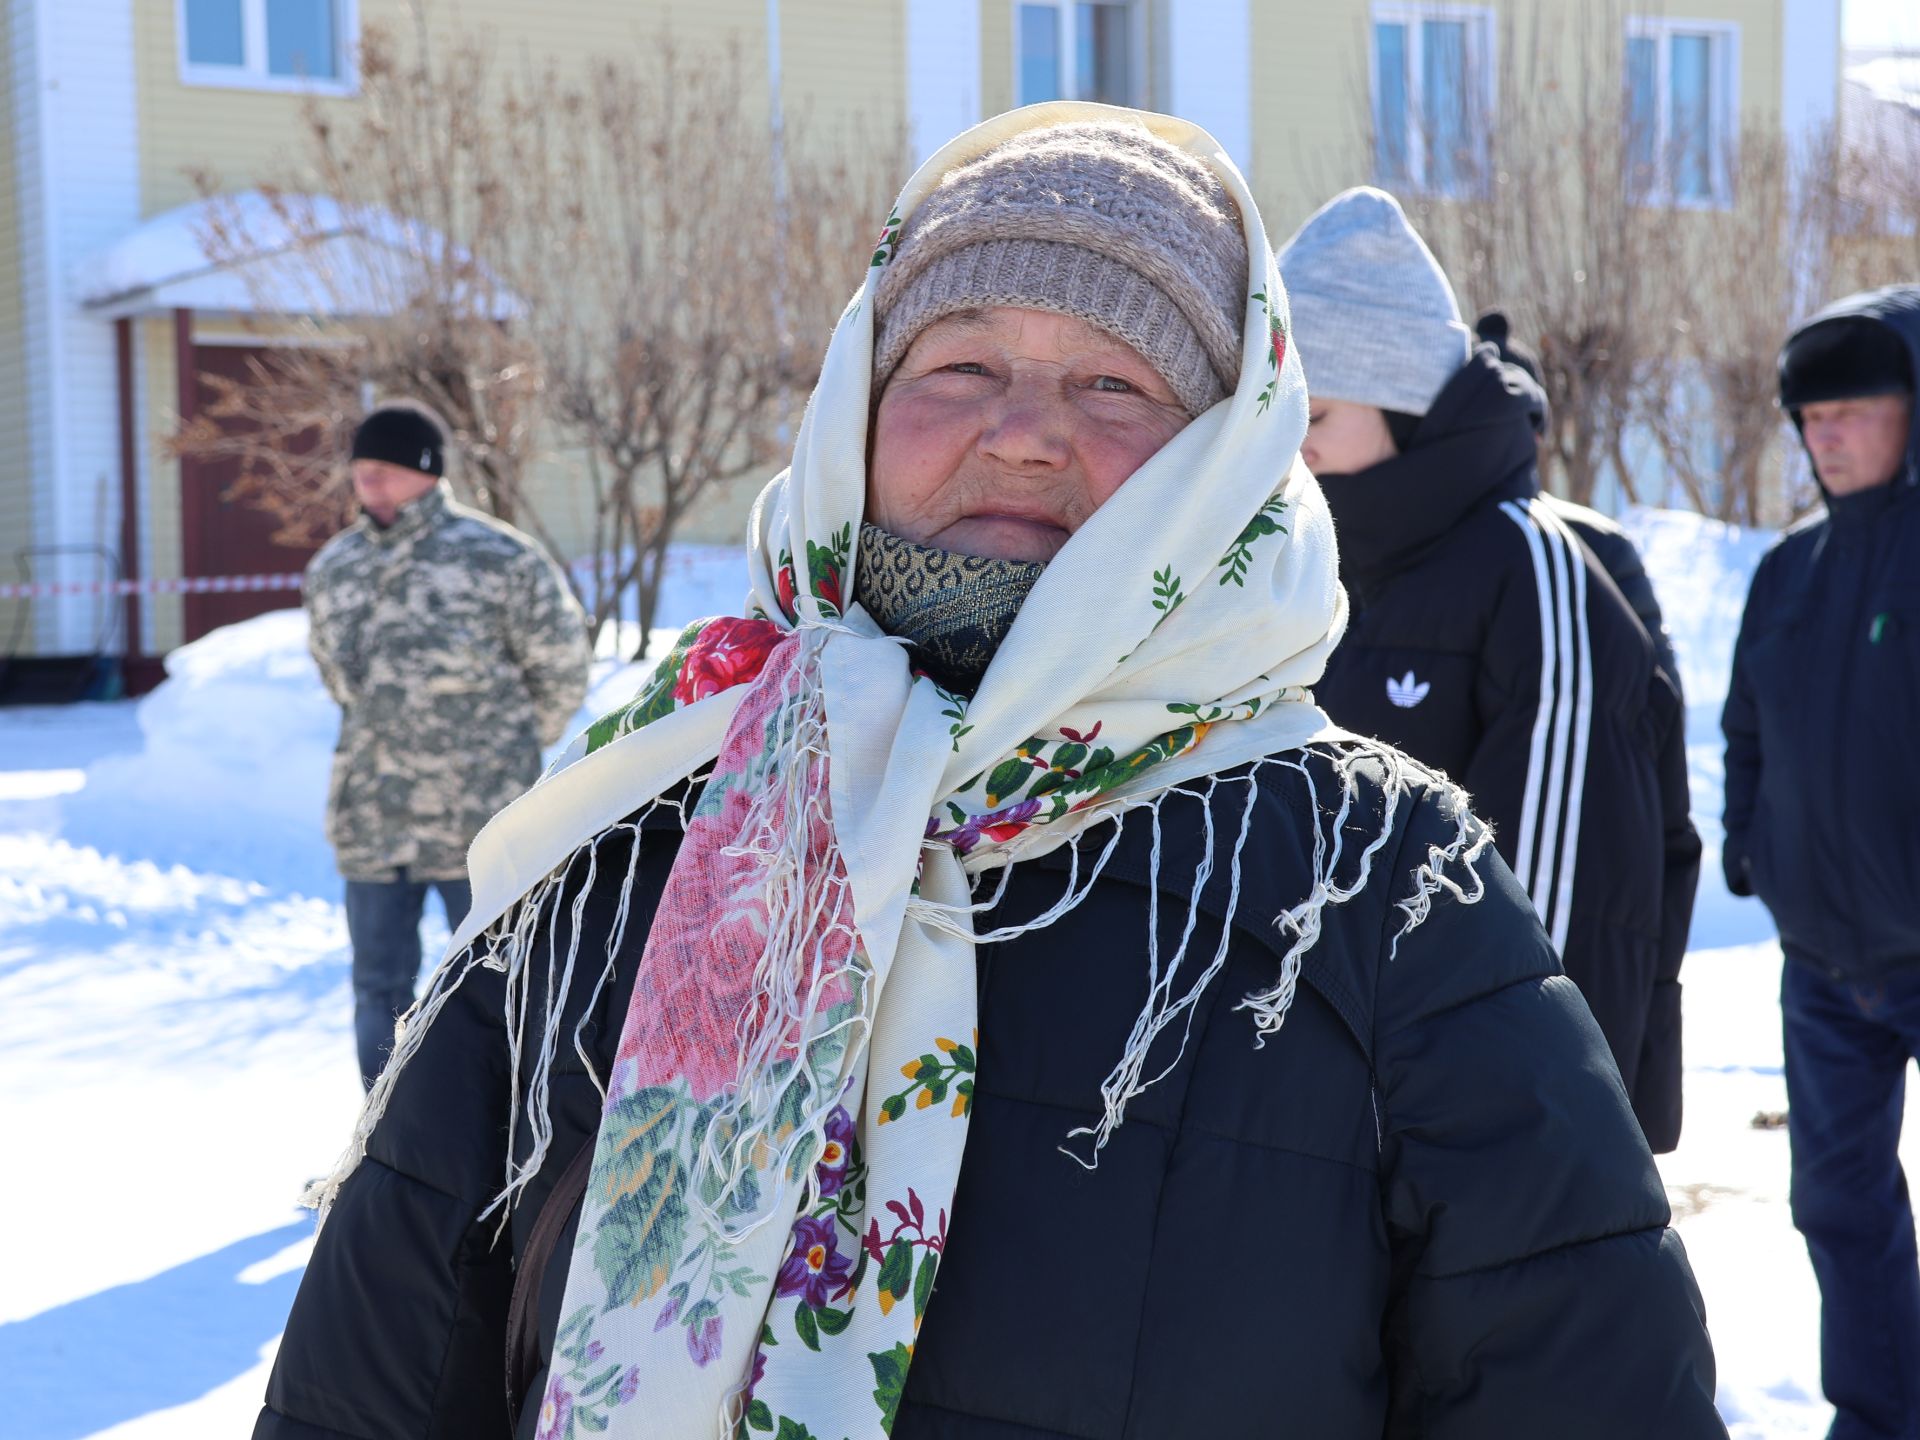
(1096, 219)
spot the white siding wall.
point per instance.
(79, 191)
(1809, 65)
(943, 71)
(1209, 70)
(36, 313)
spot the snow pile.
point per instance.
(695, 581)
(1701, 569)
(238, 741)
(232, 773)
(1892, 78)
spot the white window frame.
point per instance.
(1723, 73)
(1482, 65)
(1069, 28)
(252, 73)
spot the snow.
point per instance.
(176, 1055)
(1893, 78)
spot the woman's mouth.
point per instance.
(1003, 536)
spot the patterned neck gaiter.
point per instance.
(953, 609)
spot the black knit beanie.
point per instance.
(402, 435)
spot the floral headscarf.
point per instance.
(775, 1166)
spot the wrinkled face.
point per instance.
(1344, 437)
(1857, 444)
(1002, 430)
(382, 489)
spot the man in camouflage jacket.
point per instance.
(455, 651)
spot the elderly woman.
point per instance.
(977, 994)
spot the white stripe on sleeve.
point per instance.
(1582, 728)
(1526, 847)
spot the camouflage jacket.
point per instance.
(455, 651)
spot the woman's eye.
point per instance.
(1113, 385)
(967, 367)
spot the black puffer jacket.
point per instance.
(1421, 1209)
(1614, 549)
(1657, 1079)
(1487, 641)
(1823, 774)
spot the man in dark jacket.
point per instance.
(1485, 639)
(1823, 824)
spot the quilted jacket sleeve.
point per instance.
(339, 671)
(1623, 564)
(400, 1321)
(1537, 1289)
(1657, 1080)
(548, 636)
(1740, 722)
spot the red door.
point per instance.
(220, 533)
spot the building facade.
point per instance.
(121, 114)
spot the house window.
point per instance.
(1064, 50)
(1680, 110)
(1432, 96)
(268, 44)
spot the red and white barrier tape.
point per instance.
(186, 585)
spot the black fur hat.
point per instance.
(1846, 358)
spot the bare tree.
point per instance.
(674, 313)
(1768, 261)
(377, 258)
(1879, 179)
(624, 260)
(1538, 187)
(1837, 211)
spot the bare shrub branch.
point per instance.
(620, 260)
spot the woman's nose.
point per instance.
(1028, 434)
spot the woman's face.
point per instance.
(1002, 430)
(1344, 438)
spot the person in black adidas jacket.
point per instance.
(1657, 1081)
(1485, 638)
(1823, 824)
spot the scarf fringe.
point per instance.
(783, 1040)
(1164, 1008)
(507, 946)
(785, 1043)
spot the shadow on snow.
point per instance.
(128, 1351)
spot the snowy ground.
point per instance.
(176, 1056)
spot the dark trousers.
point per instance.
(383, 922)
(1847, 1048)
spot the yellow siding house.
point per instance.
(109, 310)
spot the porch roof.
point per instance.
(258, 252)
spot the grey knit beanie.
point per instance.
(1373, 315)
(1100, 220)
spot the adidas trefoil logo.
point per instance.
(1406, 692)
